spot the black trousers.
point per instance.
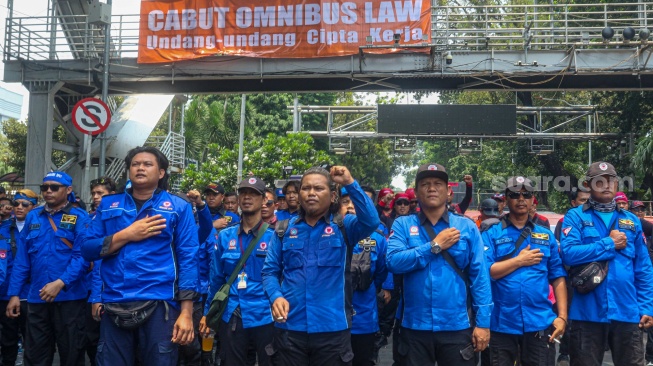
(12, 329)
(92, 334)
(316, 349)
(363, 347)
(399, 359)
(421, 348)
(531, 349)
(236, 340)
(649, 346)
(62, 323)
(191, 354)
(589, 341)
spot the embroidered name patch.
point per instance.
(35, 226)
(503, 241)
(69, 219)
(626, 224)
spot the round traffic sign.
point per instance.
(91, 116)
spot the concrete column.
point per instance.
(40, 125)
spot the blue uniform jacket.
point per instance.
(95, 284)
(254, 305)
(435, 297)
(207, 247)
(8, 227)
(286, 215)
(43, 257)
(627, 292)
(206, 216)
(521, 301)
(311, 262)
(162, 267)
(366, 315)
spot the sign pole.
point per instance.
(85, 192)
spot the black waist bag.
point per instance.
(586, 277)
(361, 270)
(130, 315)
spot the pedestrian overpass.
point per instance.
(539, 47)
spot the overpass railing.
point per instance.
(496, 27)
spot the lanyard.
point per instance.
(240, 241)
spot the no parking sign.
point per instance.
(91, 116)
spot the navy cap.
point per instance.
(254, 183)
(279, 192)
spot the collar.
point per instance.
(66, 209)
(130, 191)
(252, 230)
(423, 219)
(272, 220)
(326, 217)
(218, 210)
(505, 222)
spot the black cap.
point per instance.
(254, 183)
(431, 170)
(490, 207)
(517, 183)
(214, 187)
(600, 168)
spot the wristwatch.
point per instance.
(435, 247)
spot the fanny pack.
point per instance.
(130, 315)
(587, 277)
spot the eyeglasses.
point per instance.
(402, 203)
(52, 187)
(269, 203)
(24, 204)
(515, 195)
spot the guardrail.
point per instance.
(473, 28)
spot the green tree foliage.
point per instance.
(15, 150)
(264, 158)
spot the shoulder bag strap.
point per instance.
(463, 274)
(524, 234)
(54, 227)
(250, 249)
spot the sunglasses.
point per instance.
(402, 203)
(52, 187)
(269, 203)
(24, 204)
(515, 195)
(637, 209)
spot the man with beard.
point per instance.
(307, 274)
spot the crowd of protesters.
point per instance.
(323, 271)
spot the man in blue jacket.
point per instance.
(621, 305)
(436, 325)
(306, 276)
(147, 240)
(368, 273)
(290, 192)
(523, 260)
(248, 318)
(49, 256)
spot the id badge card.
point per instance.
(242, 281)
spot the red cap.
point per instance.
(411, 193)
(402, 196)
(620, 197)
(384, 192)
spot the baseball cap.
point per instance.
(519, 182)
(620, 197)
(490, 207)
(411, 193)
(431, 170)
(343, 192)
(279, 192)
(384, 192)
(637, 204)
(214, 187)
(499, 197)
(402, 196)
(600, 168)
(254, 183)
